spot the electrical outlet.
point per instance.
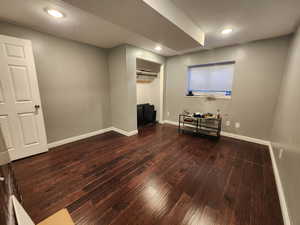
(228, 123)
(237, 125)
(280, 153)
(168, 113)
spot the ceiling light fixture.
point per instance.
(227, 31)
(55, 13)
(158, 48)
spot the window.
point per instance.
(211, 79)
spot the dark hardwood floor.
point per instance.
(158, 177)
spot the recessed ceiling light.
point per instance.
(227, 31)
(55, 13)
(158, 48)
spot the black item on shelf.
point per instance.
(197, 115)
(190, 93)
(145, 114)
(197, 125)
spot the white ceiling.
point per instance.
(78, 24)
(250, 19)
(108, 23)
(139, 17)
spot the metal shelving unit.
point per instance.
(206, 126)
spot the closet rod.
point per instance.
(145, 73)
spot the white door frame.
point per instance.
(161, 92)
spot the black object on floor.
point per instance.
(146, 113)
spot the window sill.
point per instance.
(207, 96)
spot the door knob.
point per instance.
(36, 107)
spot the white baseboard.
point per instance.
(21, 215)
(171, 122)
(235, 136)
(126, 133)
(245, 138)
(282, 199)
(91, 134)
(79, 137)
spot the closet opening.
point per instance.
(149, 92)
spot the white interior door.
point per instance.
(21, 116)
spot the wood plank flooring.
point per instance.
(159, 177)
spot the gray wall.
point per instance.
(122, 68)
(73, 80)
(119, 88)
(286, 130)
(258, 73)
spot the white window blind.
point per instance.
(210, 79)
